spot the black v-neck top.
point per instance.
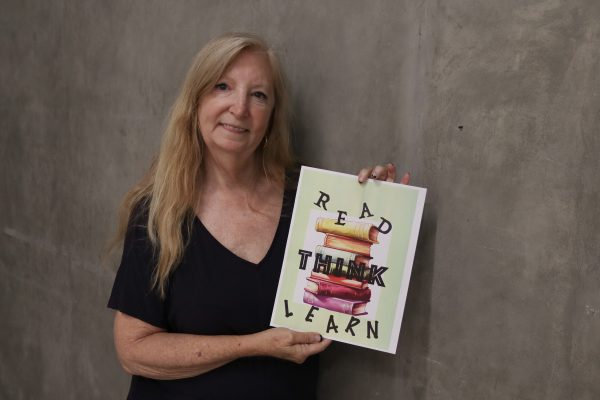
(212, 292)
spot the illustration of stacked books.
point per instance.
(343, 287)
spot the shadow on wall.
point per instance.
(381, 375)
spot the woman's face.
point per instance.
(234, 115)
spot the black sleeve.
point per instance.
(132, 291)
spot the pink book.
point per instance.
(352, 307)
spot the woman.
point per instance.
(205, 232)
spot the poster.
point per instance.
(348, 258)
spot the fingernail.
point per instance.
(320, 338)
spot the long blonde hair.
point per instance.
(169, 190)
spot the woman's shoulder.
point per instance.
(291, 177)
(290, 186)
(136, 237)
(138, 216)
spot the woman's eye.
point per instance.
(260, 95)
(221, 86)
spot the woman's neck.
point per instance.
(231, 174)
(238, 185)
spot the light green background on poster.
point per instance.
(394, 202)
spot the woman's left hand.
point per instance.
(382, 173)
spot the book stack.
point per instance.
(339, 281)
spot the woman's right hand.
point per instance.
(291, 345)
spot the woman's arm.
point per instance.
(149, 351)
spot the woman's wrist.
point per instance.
(253, 345)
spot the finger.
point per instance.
(363, 175)
(391, 173)
(379, 172)
(405, 179)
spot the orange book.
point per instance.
(348, 244)
(345, 255)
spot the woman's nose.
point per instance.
(239, 106)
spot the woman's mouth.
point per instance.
(233, 128)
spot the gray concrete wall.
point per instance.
(504, 301)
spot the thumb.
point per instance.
(405, 179)
(307, 337)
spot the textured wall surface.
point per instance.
(493, 106)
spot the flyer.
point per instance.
(348, 258)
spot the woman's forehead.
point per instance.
(251, 65)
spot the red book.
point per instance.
(324, 288)
(352, 307)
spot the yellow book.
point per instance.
(355, 230)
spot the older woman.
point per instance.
(204, 235)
